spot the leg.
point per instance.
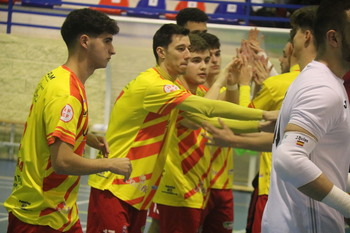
(220, 218)
(108, 213)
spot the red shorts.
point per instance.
(174, 219)
(259, 210)
(153, 211)
(17, 226)
(218, 214)
(107, 213)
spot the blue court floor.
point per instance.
(6, 177)
(241, 200)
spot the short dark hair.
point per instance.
(330, 15)
(86, 21)
(303, 18)
(212, 40)
(191, 14)
(163, 36)
(198, 44)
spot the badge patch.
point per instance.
(67, 113)
(170, 88)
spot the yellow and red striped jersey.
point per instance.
(221, 172)
(142, 122)
(185, 181)
(58, 110)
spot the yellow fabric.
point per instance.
(244, 95)
(217, 108)
(141, 125)
(59, 110)
(221, 171)
(269, 98)
(184, 181)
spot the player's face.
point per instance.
(197, 68)
(215, 62)
(285, 58)
(100, 50)
(298, 43)
(176, 55)
(196, 27)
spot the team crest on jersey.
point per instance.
(67, 113)
(170, 88)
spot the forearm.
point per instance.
(65, 161)
(244, 95)
(214, 92)
(255, 141)
(215, 108)
(83, 166)
(235, 125)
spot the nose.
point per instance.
(112, 50)
(213, 59)
(203, 65)
(187, 54)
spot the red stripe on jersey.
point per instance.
(251, 105)
(170, 104)
(217, 175)
(190, 193)
(63, 137)
(53, 181)
(132, 180)
(68, 222)
(134, 201)
(204, 88)
(151, 116)
(151, 131)
(150, 195)
(188, 141)
(120, 95)
(188, 163)
(216, 153)
(144, 151)
(71, 188)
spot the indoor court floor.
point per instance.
(6, 177)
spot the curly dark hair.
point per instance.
(86, 21)
(191, 14)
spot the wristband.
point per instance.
(232, 87)
(339, 200)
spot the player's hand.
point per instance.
(267, 126)
(218, 137)
(121, 166)
(270, 115)
(99, 143)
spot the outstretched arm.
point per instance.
(224, 137)
(216, 108)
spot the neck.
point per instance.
(189, 86)
(210, 80)
(337, 66)
(80, 67)
(169, 74)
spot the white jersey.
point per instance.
(317, 102)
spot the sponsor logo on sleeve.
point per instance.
(170, 88)
(67, 113)
(300, 141)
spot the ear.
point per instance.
(84, 40)
(332, 38)
(161, 52)
(308, 36)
